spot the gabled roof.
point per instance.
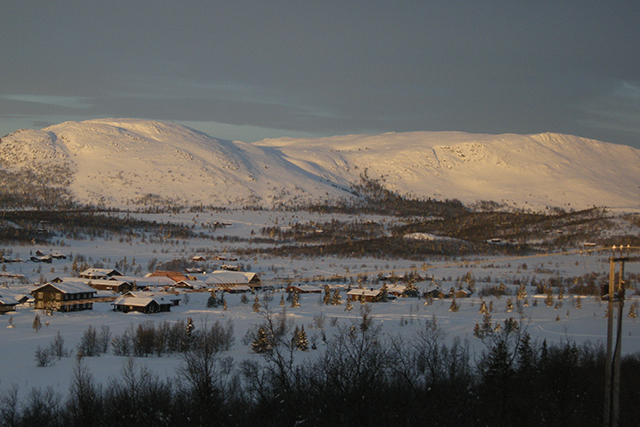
(232, 277)
(8, 301)
(176, 276)
(71, 286)
(9, 296)
(365, 292)
(191, 284)
(100, 272)
(139, 301)
(142, 282)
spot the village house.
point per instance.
(396, 290)
(192, 285)
(10, 298)
(225, 280)
(7, 304)
(305, 289)
(64, 296)
(148, 283)
(176, 276)
(141, 304)
(435, 293)
(99, 273)
(369, 295)
(112, 285)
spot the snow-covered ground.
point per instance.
(560, 322)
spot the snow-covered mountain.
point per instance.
(127, 162)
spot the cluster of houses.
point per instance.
(156, 292)
(377, 295)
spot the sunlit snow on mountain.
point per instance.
(128, 162)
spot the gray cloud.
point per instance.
(325, 68)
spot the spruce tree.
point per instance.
(411, 290)
(326, 299)
(384, 293)
(295, 301)
(37, 325)
(335, 298)
(522, 292)
(349, 306)
(256, 305)
(509, 305)
(261, 343)
(302, 343)
(549, 299)
(212, 301)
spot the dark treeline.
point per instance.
(42, 225)
(360, 378)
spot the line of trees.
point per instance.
(361, 378)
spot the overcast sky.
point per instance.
(249, 70)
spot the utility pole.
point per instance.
(612, 363)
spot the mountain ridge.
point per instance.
(124, 163)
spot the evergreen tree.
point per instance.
(349, 306)
(578, 303)
(454, 306)
(509, 305)
(522, 292)
(485, 329)
(189, 329)
(261, 344)
(549, 298)
(295, 301)
(326, 299)
(281, 300)
(411, 290)
(384, 293)
(212, 301)
(302, 343)
(244, 299)
(256, 305)
(335, 298)
(294, 338)
(37, 325)
(483, 308)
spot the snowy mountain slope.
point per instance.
(128, 162)
(522, 170)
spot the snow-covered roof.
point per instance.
(141, 282)
(233, 277)
(98, 272)
(139, 301)
(70, 286)
(365, 292)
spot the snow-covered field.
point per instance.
(559, 322)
